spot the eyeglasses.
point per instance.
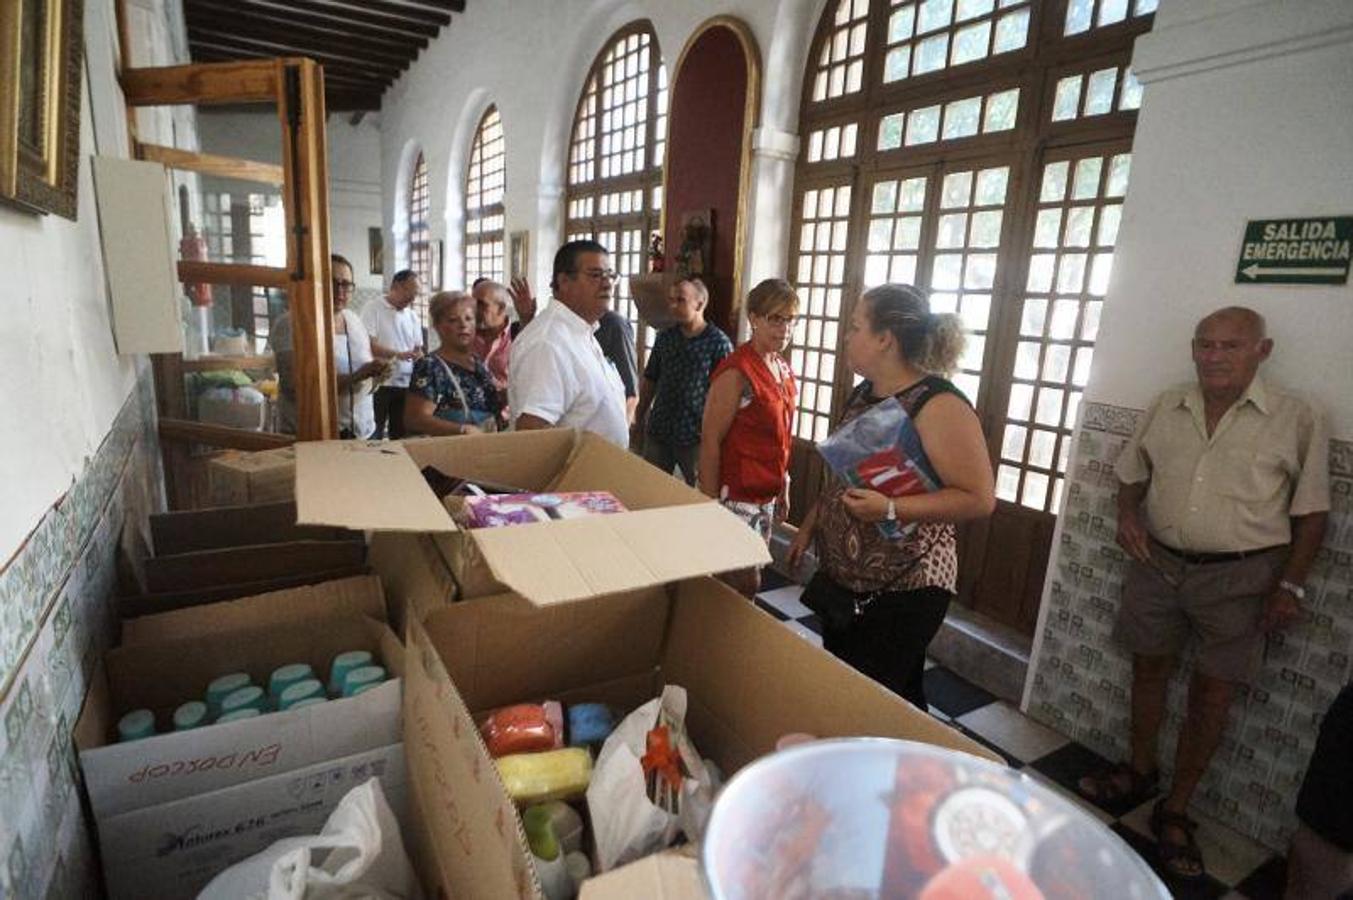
(344, 285)
(600, 274)
(778, 320)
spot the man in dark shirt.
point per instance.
(676, 380)
(617, 341)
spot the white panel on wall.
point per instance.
(138, 254)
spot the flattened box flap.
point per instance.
(662, 876)
(364, 485)
(559, 562)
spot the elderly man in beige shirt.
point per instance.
(1223, 497)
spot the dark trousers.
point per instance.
(389, 406)
(888, 641)
(669, 456)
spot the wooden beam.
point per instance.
(395, 10)
(259, 12)
(302, 38)
(347, 15)
(183, 430)
(211, 164)
(213, 53)
(201, 83)
(448, 5)
(233, 273)
(280, 47)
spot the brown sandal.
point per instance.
(1180, 861)
(1106, 786)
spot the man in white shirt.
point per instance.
(559, 376)
(396, 335)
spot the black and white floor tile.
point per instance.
(1238, 868)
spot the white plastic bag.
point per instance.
(625, 822)
(358, 854)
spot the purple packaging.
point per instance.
(498, 510)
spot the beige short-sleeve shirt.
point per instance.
(1266, 461)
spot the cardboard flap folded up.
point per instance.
(361, 485)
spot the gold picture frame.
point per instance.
(42, 52)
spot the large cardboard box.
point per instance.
(232, 565)
(218, 527)
(671, 531)
(749, 681)
(137, 789)
(259, 477)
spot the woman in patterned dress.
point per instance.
(901, 587)
(450, 390)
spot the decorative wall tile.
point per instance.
(1080, 679)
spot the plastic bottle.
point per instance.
(579, 868)
(251, 697)
(192, 714)
(220, 687)
(309, 701)
(360, 676)
(137, 724)
(343, 664)
(305, 689)
(284, 677)
(566, 823)
(247, 713)
(546, 855)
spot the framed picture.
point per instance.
(375, 243)
(436, 263)
(41, 54)
(519, 249)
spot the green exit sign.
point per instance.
(1296, 251)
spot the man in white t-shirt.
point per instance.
(559, 376)
(395, 335)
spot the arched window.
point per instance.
(980, 149)
(484, 184)
(420, 247)
(616, 154)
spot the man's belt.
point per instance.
(1197, 559)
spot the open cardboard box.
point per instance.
(671, 531)
(189, 776)
(749, 681)
(259, 477)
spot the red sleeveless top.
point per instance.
(754, 455)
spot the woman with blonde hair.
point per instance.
(747, 430)
(882, 600)
(451, 391)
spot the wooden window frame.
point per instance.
(420, 241)
(485, 245)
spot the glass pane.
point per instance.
(890, 131)
(1090, 321)
(1021, 401)
(1001, 110)
(976, 312)
(961, 117)
(1086, 184)
(1099, 92)
(1012, 31)
(1078, 222)
(1063, 325)
(903, 269)
(1007, 483)
(944, 303)
(1145, 6)
(986, 229)
(1042, 445)
(1067, 99)
(948, 269)
(1012, 443)
(1047, 227)
(923, 125)
(908, 233)
(875, 270)
(885, 195)
(1035, 311)
(1111, 11)
(980, 273)
(1056, 363)
(1100, 271)
(956, 191)
(1054, 182)
(1109, 217)
(934, 14)
(991, 185)
(973, 349)
(953, 231)
(901, 24)
(1026, 360)
(971, 9)
(1116, 186)
(1035, 493)
(913, 195)
(1040, 272)
(1132, 92)
(1071, 273)
(880, 234)
(971, 43)
(1049, 410)
(1073, 403)
(896, 63)
(931, 54)
(1081, 376)
(1078, 13)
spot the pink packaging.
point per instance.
(497, 510)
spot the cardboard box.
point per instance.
(236, 526)
(172, 657)
(231, 565)
(173, 850)
(259, 477)
(749, 681)
(134, 605)
(670, 532)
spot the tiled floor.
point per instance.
(1237, 866)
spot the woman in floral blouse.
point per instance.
(450, 391)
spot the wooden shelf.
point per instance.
(217, 363)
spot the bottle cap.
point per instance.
(309, 701)
(365, 675)
(226, 684)
(137, 724)
(250, 697)
(285, 676)
(246, 713)
(301, 690)
(190, 715)
(343, 664)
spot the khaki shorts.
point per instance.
(1218, 602)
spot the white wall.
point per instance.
(484, 58)
(1246, 115)
(65, 381)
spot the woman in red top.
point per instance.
(749, 413)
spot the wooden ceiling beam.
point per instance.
(258, 14)
(342, 15)
(455, 6)
(304, 39)
(211, 53)
(392, 10)
(351, 102)
(280, 47)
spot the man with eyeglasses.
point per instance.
(558, 375)
(1222, 502)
